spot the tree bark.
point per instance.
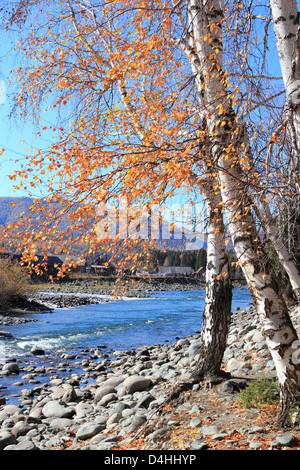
(287, 32)
(277, 327)
(269, 224)
(205, 17)
(217, 310)
(285, 259)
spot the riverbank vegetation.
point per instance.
(15, 283)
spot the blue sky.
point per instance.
(11, 134)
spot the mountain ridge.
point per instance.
(9, 214)
(12, 207)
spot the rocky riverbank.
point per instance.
(112, 404)
(47, 297)
(20, 310)
(85, 292)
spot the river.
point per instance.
(118, 324)
(112, 325)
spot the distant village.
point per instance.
(101, 267)
(164, 263)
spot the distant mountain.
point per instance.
(12, 207)
(9, 214)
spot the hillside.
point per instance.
(9, 214)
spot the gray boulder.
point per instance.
(55, 409)
(286, 440)
(89, 430)
(23, 445)
(6, 440)
(136, 383)
(134, 423)
(102, 391)
(110, 397)
(36, 351)
(59, 424)
(194, 349)
(210, 429)
(11, 368)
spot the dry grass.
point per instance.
(14, 282)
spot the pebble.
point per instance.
(89, 430)
(106, 403)
(195, 422)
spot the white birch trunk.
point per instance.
(217, 310)
(286, 29)
(279, 246)
(206, 16)
(272, 230)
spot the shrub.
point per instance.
(14, 282)
(260, 392)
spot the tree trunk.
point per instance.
(287, 32)
(277, 327)
(270, 226)
(217, 310)
(275, 237)
(206, 16)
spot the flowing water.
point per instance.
(114, 324)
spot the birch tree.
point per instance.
(217, 310)
(286, 26)
(206, 19)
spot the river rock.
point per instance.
(36, 351)
(195, 422)
(55, 409)
(136, 383)
(145, 400)
(234, 364)
(5, 334)
(69, 395)
(198, 445)
(194, 349)
(210, 429)
(23, 445)
(59, 424)
(286, 440)
(10, 409)
(110, 397)
(6, 440)
(21, 428)
(132, 423)
(89, 430)
(11, 368)
(83, 409)
(102, 391)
